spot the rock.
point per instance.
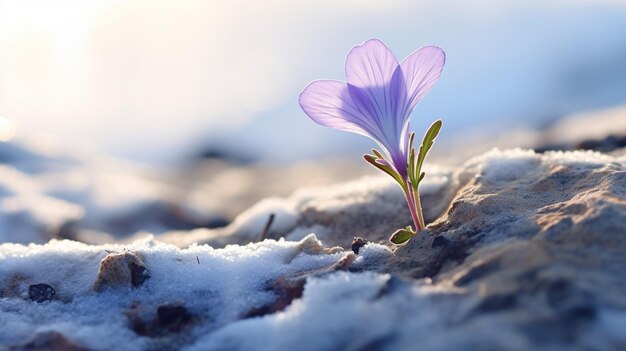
(607, 144)
(226, 155)
(161, 321)
(141, 319)
(538, 239)
(286, 290)
(439, 241)
(121, 270)
(12, 285)
(41, 292)
(357, 244)
(173, 317)
(610, 143)
(290, 287)
(312, 246)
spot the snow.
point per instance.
(41, 190)
(499, 166)
(331, 315)
(372, 253)
(220, 285)
(26, 211)
(505, 166)
(346, 311)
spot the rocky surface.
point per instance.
(368, 207)
(525, 251)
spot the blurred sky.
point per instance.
(155, 80)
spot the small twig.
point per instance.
(197, 259)
(266, 230)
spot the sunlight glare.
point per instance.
(8, 129)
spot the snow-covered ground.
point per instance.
(527, 244)
(443, 291)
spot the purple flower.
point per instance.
(378, 98)
(376, 101)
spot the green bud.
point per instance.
(401, 236)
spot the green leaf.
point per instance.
(401, 236)
(371, 159)
(411, 164)
(427, 143)
(411, 156)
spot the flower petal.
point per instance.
(377, 88)
(328, 102)
(370, 67)
(421, 71)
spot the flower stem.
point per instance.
(415, 208)
(418, 208)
